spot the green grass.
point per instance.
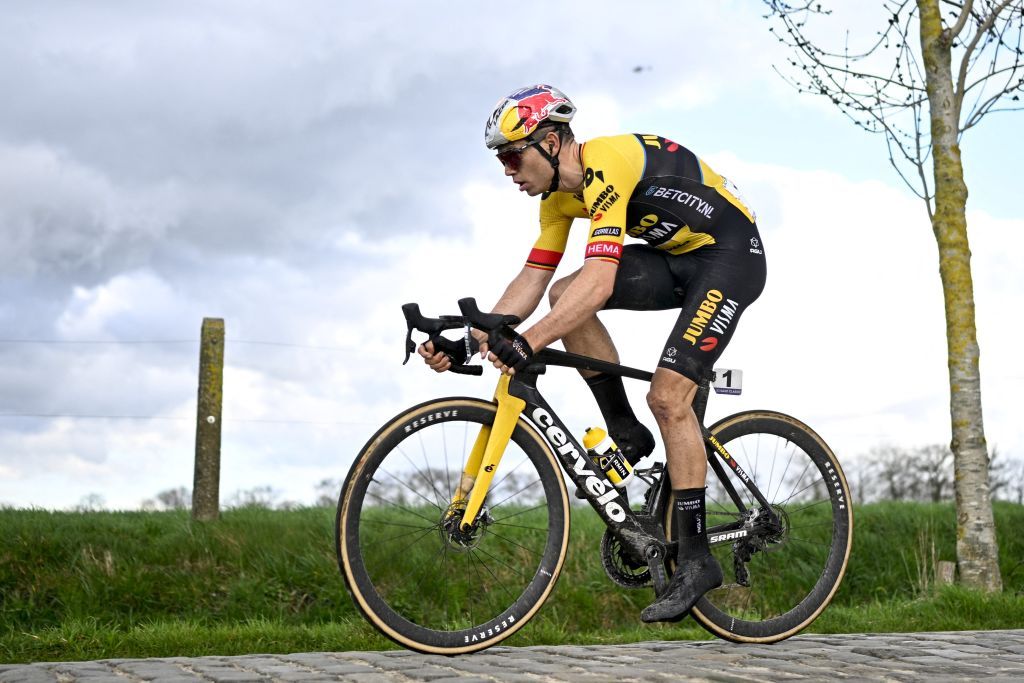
(95, 585)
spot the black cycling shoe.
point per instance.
(693, 578)
(636, 442)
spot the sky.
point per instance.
(303, 169)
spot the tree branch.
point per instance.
(965, 14)
(964, 63)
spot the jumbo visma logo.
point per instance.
(706, 309)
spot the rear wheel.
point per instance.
(781, 569)
(417, 577)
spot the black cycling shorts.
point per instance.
(711, 286)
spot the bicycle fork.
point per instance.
(483, 460)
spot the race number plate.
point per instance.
(728, 381)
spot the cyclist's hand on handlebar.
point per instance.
(438, 361)
(510, 351)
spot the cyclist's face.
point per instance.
(528, 169)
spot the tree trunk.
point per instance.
(976, 550)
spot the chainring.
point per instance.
(621, 569)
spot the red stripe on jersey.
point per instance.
(604, 250)
(544, 258)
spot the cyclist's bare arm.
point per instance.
(521, 298)
(523, 294)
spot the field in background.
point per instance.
(77, 586)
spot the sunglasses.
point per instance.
(513, 158)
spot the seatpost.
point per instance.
(700, 401)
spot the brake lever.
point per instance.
(412, 316)
(414, 320)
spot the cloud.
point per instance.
(61, 216)
(302, 173)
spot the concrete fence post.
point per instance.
(206, 485)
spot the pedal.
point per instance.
(656, 565)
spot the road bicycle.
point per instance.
(453, 522)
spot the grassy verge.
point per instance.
(99, 585)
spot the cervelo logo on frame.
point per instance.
(597, 486)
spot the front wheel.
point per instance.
(781, 569)
(417, 576)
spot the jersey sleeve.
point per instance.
(556, 216)
(612, 169)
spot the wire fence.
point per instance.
(167, 342)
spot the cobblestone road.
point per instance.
(990, 655)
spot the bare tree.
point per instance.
(892, 475)
(934, 463)
(888, 87)
(179, 498)
(176, 499)
(1014, 491)
(92, 502)
(1006, 477)
(256, 497)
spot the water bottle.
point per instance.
(606, 455)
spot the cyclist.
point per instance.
(701, 253)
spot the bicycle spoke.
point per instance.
(499, 561)
(430, 474)
(757, 460)
(796, 493)
(518, 545)
(515, 493)
(404, 549)
(447, 469)
(445, 582)
(520, 526)
(382, 522)
(399, 506)
(395, 538)
(829, 523)
(782, 478)
(771, 473)
(508, 474)
(425, 574)
(498, 520)
(804, 540)
(823, 501)
(414, 491)
(497, 581)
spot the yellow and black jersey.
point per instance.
(645, 186)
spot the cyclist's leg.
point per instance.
(643, 281)
(697, 571)
(721, 282)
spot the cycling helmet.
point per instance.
(521, 112)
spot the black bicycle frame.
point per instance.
(643, 535)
